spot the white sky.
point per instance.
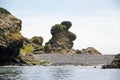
(95, 22)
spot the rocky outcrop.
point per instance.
(89, 50)
(37, 42)
(115, 63)
(10, 36)
(33, 45)
(62, 39)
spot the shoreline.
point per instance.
(75, 59)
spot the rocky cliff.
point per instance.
(10, 36)
(62, 39)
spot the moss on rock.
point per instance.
(67, 24)
(71, 36)
(2, 10)
(33, 45)
(57, 28)
(37, 40)
(14, 48)
(26, 49)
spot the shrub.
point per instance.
(67, 24)
(71, 36)
(57, 28)
(37, 40)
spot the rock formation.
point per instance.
(37, 43)
(62, 39)
(89, 50)
(33, 45)
(10, 36)
(115, 63)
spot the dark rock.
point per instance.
(4, 11)
(115, 63)
(10, 36)
(78, 51)
(67, 24)
(62, 39)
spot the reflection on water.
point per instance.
(58, 73)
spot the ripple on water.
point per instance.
(58, 73)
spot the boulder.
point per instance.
(62, 39)
(10, 36)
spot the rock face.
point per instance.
(115, 63)
(62, 39)
(89, 50)
(10, 36)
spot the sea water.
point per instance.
(58, 73)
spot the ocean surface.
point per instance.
(58, 73)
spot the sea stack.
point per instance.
(62, 39)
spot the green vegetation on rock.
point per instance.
(37, 40)
(26, 49)
(62, 39)
(10, 36)
(4, 11)
(57, 28)
(84, 64)
(29, 59)
(40, 48)
(44, 62)
(32, 45)
(67, 24)
(71, 36)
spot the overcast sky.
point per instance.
(95, 22)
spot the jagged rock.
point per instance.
(10, 36)
(89, 50)
(115, 63)
(62, 39)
